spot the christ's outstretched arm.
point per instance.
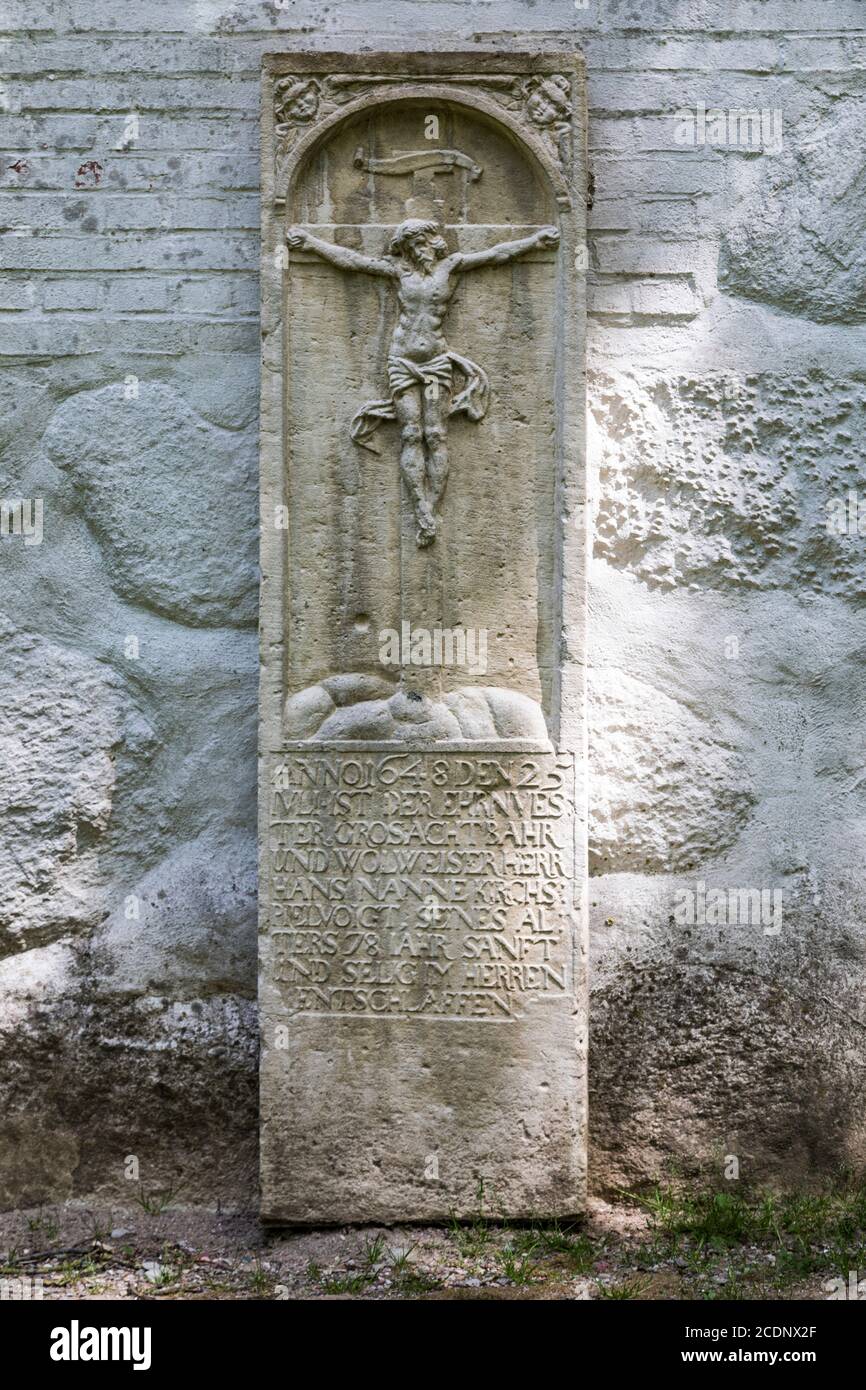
(506, 250)
(341, 256)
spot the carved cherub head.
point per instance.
(296, 100)
(548, 99)
(419, 242)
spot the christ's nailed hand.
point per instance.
(548, 236)
(296, 238)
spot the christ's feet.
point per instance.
(426, 533)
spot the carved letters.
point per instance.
(421, 883)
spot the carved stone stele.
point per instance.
(422, 834)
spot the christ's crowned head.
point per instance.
(419, 242)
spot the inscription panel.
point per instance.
(434, 883)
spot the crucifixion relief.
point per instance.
(421, 365)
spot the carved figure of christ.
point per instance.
(421, 365)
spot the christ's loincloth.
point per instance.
(403, 375)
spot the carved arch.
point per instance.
(531, 145)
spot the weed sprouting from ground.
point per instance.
(739, 1245)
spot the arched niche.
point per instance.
(354, 568)
(384, 120)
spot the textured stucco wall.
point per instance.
(726, 346)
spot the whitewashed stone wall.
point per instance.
(726, 346)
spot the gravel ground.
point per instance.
(80, 1252)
